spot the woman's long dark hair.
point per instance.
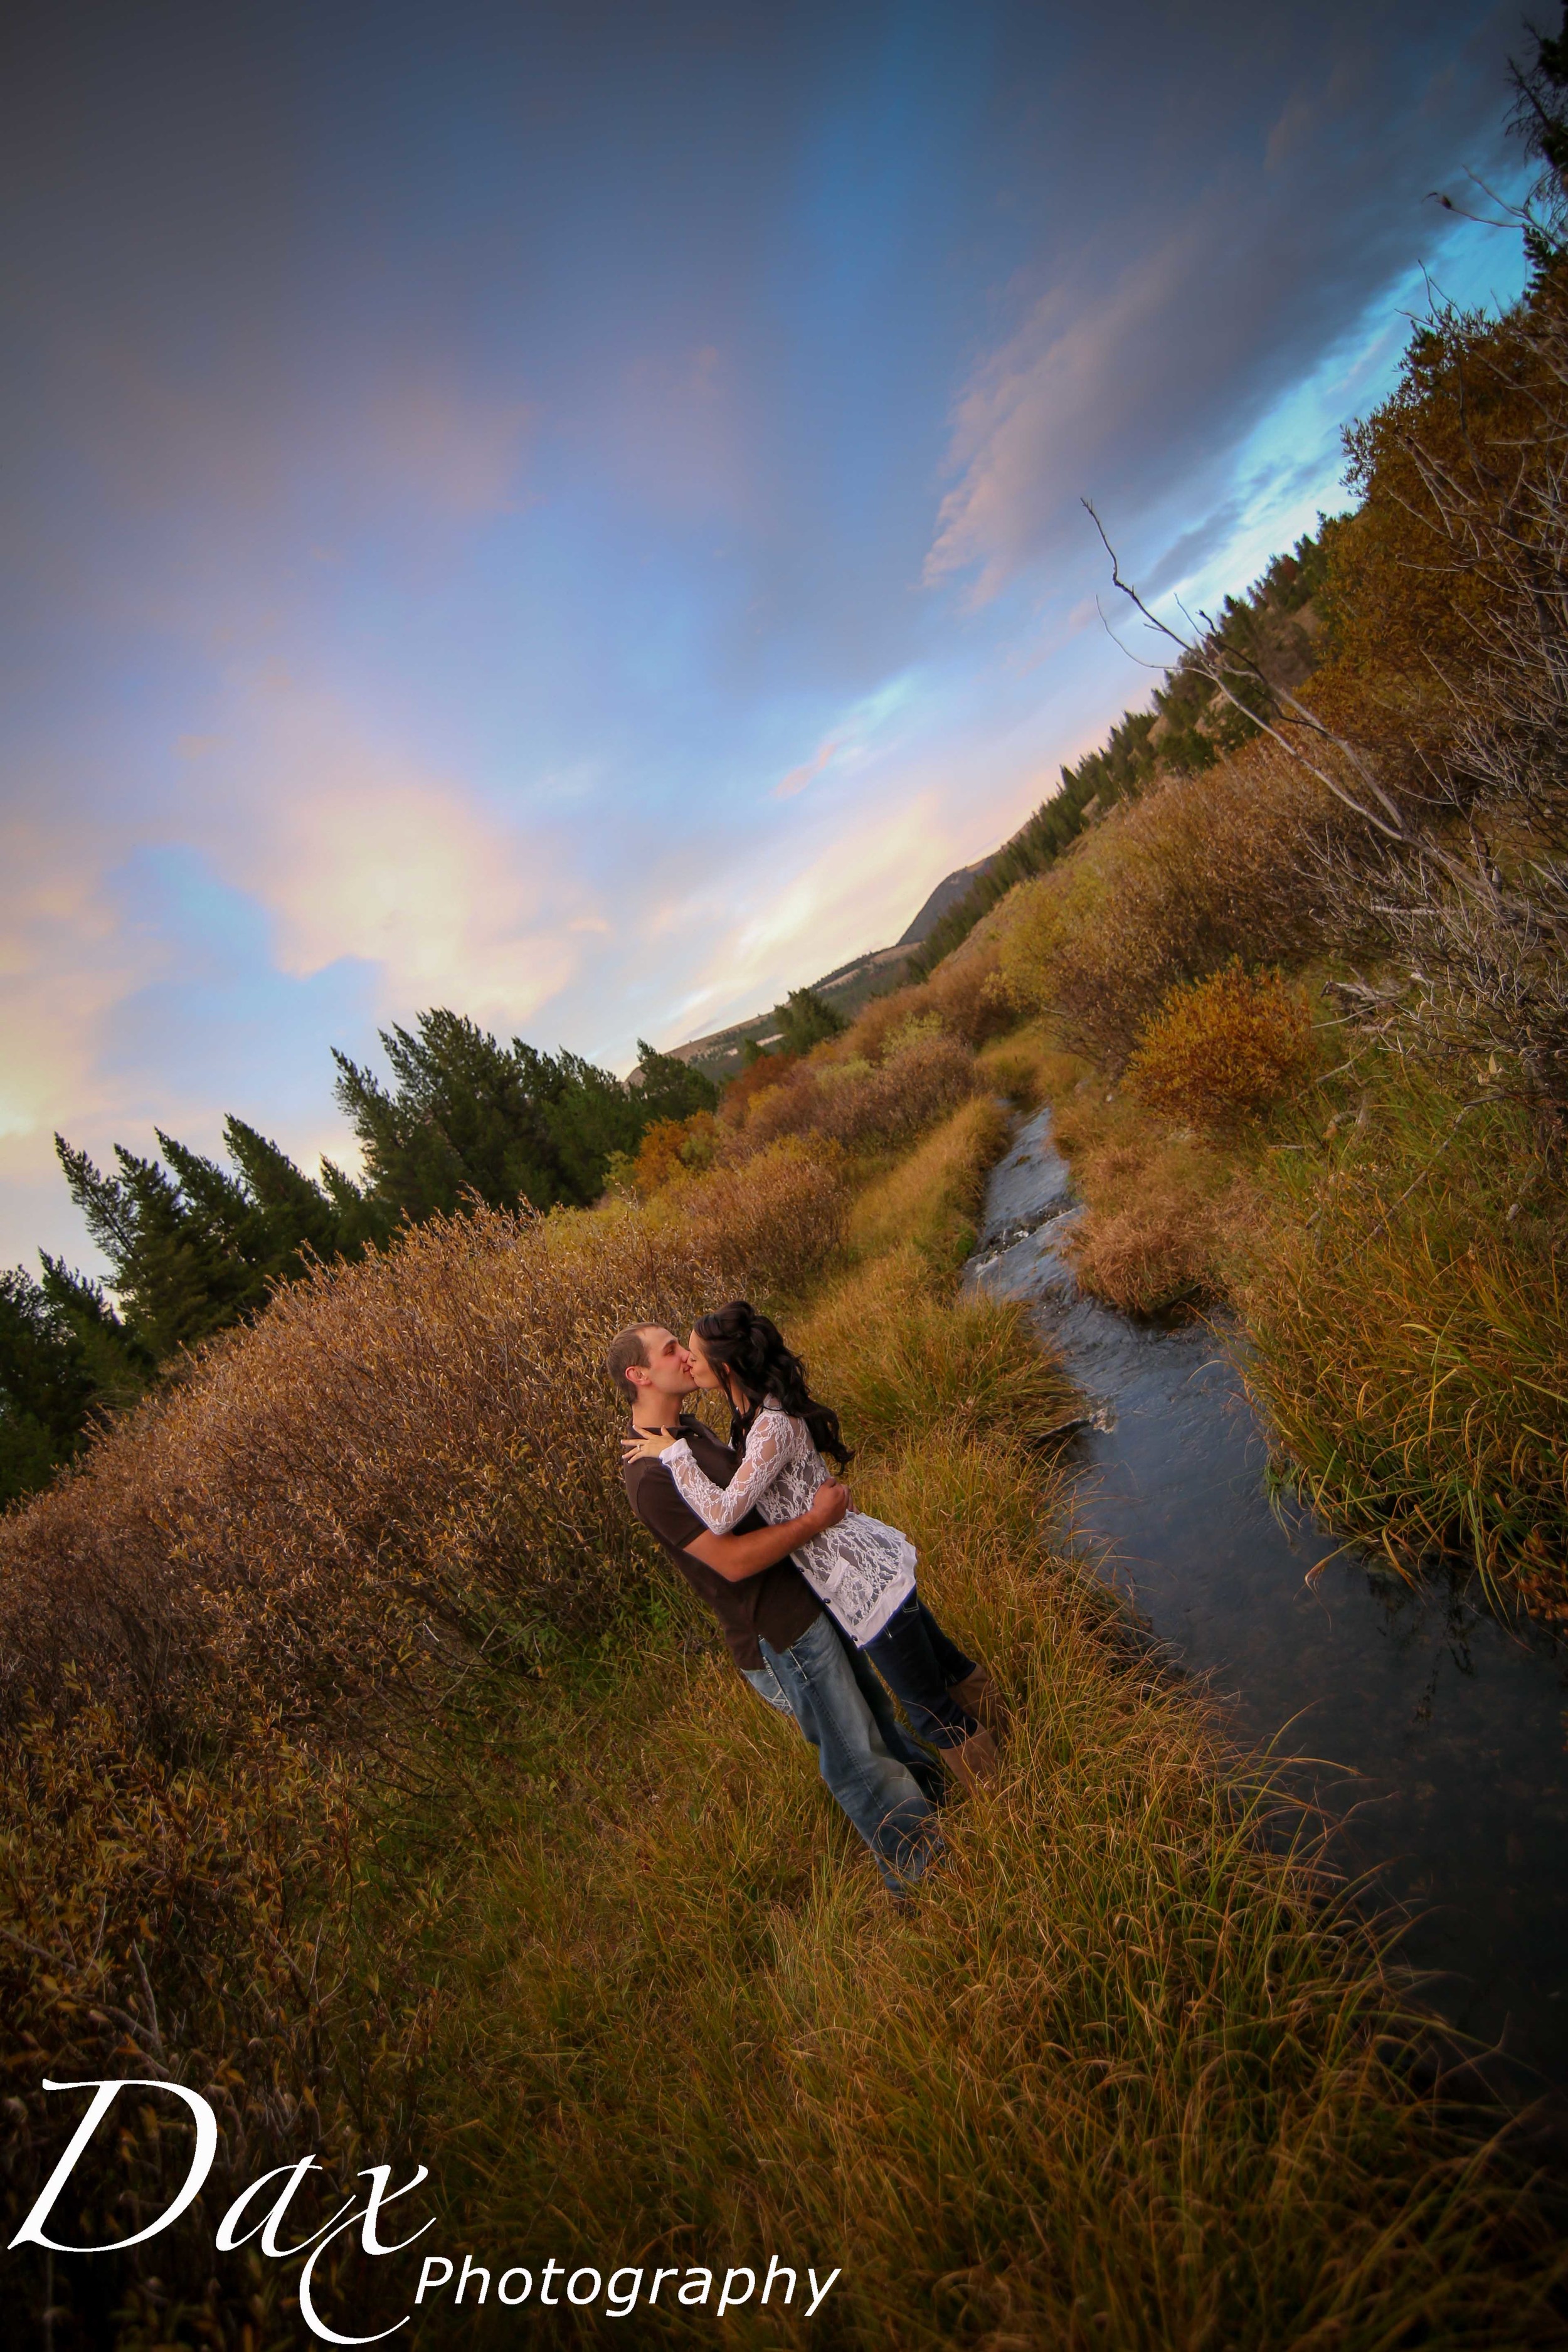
(743, 1345)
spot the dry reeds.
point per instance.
(767, 1223)
(931, 1199)
(1168, 889)
(1409, 1339)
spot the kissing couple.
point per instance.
(812, 1594)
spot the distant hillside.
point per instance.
(947, 895)
(719, 1055)
(1189, 728)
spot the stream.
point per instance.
(1436, 1735)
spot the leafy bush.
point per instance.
(1224, 1049)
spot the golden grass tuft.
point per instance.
(931, 1199)
(1158, 1207)
(1030, 1067)
(1409, 1339)
(896, 1356)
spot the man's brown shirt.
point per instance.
(778, 1604)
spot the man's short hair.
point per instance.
(629, 1348)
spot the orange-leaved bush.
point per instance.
(1224, 1049)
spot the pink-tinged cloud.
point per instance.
(358, 850)
(68, 958)
(1044, 415)
(444, 446)
(798, 778)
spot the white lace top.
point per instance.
(861, 1570)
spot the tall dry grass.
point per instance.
(415, 1446)
(933, 1198)
(1408, 1341)
(898, 1356)
(1114, 2082)
(1168, 889)
(767, 1223)
(219, 1925)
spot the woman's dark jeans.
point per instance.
(919, 1666)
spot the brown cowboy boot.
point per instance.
(974, 1759)
(978, 1695)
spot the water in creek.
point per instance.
(1440, 1736)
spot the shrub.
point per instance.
(670, 1147)
(767, 1071)
(767, 1224)
(885, 1106)
(1224, 1049)
(965, 996)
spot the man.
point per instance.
(780, 1636)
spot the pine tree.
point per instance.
(1540, 122)
(192, 1248)
(467, 1117)
(667, 1087)
(804, 1019)
(47, 1386)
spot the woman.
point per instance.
(862, 1570)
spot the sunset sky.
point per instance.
(571, 512)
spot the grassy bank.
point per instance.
(1391, 1252)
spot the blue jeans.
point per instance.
(885, 1787)
(920, 1666)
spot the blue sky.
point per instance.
(572, 512)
